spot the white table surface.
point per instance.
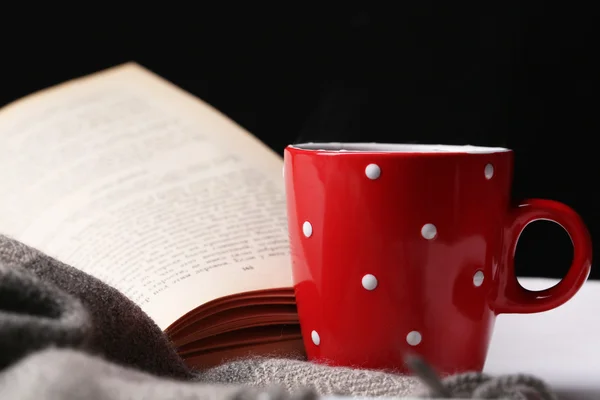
(561, 346)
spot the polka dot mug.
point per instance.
(402, 249)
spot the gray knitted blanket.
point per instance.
(66, 335)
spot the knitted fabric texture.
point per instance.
(66, 335)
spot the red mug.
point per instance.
(402, 249)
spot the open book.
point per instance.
(138, 183)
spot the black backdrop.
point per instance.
(519, 75)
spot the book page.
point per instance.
(136, 182)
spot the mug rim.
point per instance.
(393, 148)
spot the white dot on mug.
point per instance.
(307, 229)
(373, 171)
(478, 278)
(314, 335)
(488, 171)
(369, 282)
(413, 338)
(429, 231)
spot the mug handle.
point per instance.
(512, 297)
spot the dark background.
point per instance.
(518, 75)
